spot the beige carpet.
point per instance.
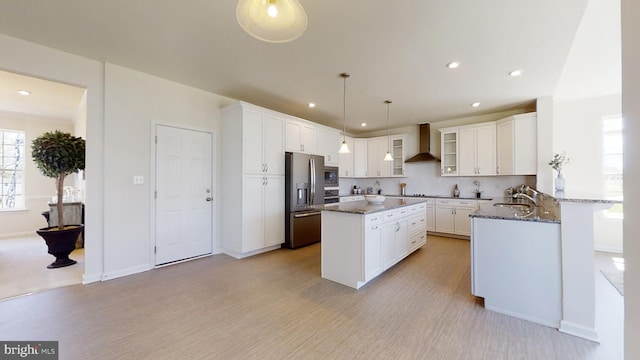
(23, 267)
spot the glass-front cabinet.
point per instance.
(449, 152)
(397, 151)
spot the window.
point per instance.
(11, 170)
(612, 162)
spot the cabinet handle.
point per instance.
(329, 157)
(397, 226)
(266, 166)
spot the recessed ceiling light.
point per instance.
(475, 104)
(453, 65)
(24, 92)
(312, 105)
(516, 73)
(363, 124)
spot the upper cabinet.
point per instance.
(328, 142)
(449, 152)
(376, 150)
(360, 156)
(300, 137)
(517, 145)
(346, 166)
(477, 150)
(397, 144)
(262, 140)
(504, 147)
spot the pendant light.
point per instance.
(274, 21)
(344, 148)
(388, 156)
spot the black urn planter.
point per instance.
(61, 243)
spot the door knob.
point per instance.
(209, 198)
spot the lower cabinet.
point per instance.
(357, 248)
(452, 216)
(260, 224)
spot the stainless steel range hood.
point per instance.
(424, 140)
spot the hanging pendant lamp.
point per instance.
(344, 148)
(388, 156)
(274, 21)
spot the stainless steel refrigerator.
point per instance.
(304, 188)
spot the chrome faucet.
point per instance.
(532, 199)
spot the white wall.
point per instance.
(631, 115)
(133, 102)
(39, 188)
(577, 129)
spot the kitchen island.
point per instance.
(361, 240)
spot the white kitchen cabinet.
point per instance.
(449, 152)
(261, 212)
(300, 136)
(262, 142)
(397, 144)
(431, 214)
(452, 216)
(360, 155)
(253, 179)
(347, 161)
(376, 165)
(517, 145)
(373, 251)
(477, 150)
(327, 143)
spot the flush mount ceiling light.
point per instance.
(24, 92)
(344, 148)
(388, 156)
(312, 105)
(516, 73)
(274, 21)
(475, 104)
(363, 124)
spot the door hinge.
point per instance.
(156, 139)
(155, 249)
(155, 194)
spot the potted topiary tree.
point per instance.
(57, 155)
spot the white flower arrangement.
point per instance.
(558, 161)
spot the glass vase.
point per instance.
(559, 183)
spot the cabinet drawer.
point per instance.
(454, 202)
(373, 219)
(417, 208)
(417, 223)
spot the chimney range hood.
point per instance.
(424, 140)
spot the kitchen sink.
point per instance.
(514, 206)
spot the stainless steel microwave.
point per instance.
(331, 176)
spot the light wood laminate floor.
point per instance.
(276, 306)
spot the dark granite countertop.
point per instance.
(581, 197)
(363, 207)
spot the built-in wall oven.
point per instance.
(331, 185)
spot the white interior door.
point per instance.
(184, 194)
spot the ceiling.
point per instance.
(395, 50)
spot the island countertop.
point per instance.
(363, 207)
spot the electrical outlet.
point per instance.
(138, 180)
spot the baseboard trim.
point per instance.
(239, 255)
(126, 272)
(88, 279)
(580, 331)
(545, 322)
(614, 250)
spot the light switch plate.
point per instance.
(138, 180)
